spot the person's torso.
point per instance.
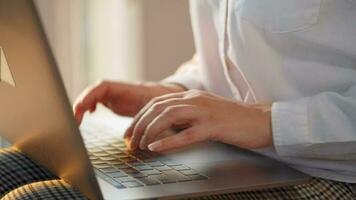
(278, 50)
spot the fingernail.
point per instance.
(155, 146)
(127, 142)
(142, 143)
(127, 132)
(125, 135)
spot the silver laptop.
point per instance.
(36, 118)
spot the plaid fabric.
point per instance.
(22, 179)
(316, 189)
(52, 189)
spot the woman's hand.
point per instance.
(205, 116)
(122, 98)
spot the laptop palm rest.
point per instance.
(229, 170)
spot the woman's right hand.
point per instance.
(122, 98)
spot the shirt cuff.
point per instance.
(290, 127)
(186, 80)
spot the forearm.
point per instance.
(320, 126)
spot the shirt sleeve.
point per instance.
(188, 75)
(320, 126)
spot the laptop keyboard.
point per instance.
(122, 168)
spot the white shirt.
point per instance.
(299, 55)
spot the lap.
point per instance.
(44, 190)
(316, 189)
(22, 179)
(16, 169)
(37, 182)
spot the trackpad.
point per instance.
(208, 152)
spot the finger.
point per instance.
(89, 98)
(150, 115)
(129, 131)
(187, 137)
(171, 116)
(78, 116)
(80, 98)
(78, 106)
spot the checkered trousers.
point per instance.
(316, 189)
(22, 179)
(51, 189)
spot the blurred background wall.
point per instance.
(131, 40)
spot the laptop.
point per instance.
(37, 119)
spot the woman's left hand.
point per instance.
(205, 116)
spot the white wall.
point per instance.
(110, 25)
(63, 23)
(167, 38)
(116, 39)
(151, 38)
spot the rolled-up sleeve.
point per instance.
(321, 126)
(188, 75)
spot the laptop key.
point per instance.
(151, 172)
(107, 158)
(110, 180)
(101, 166)
(123, 148)
(138, 175)
(101, 154)
(143, 167)
(108, 148)
(180, 167)
(170, 163)
(125, 168)
(124, 179)
(163, 168)
(95, 150)
(116, 174)
(132, 184)
(188, 172)
(148, 181)
(129, 160)
(121, 144)
(112, 152)
(117, 161)
(135, 163)
(162, 178)
(108, 170)
(121, 166)
(130, 171)
(93, 158)
(116, 184)
(97, 162)
(149, 160)
(155, 163)
(174, 175)
(121, 156)
(115, 141)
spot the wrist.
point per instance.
(154, 89)
(173, 87)
(263, 125)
